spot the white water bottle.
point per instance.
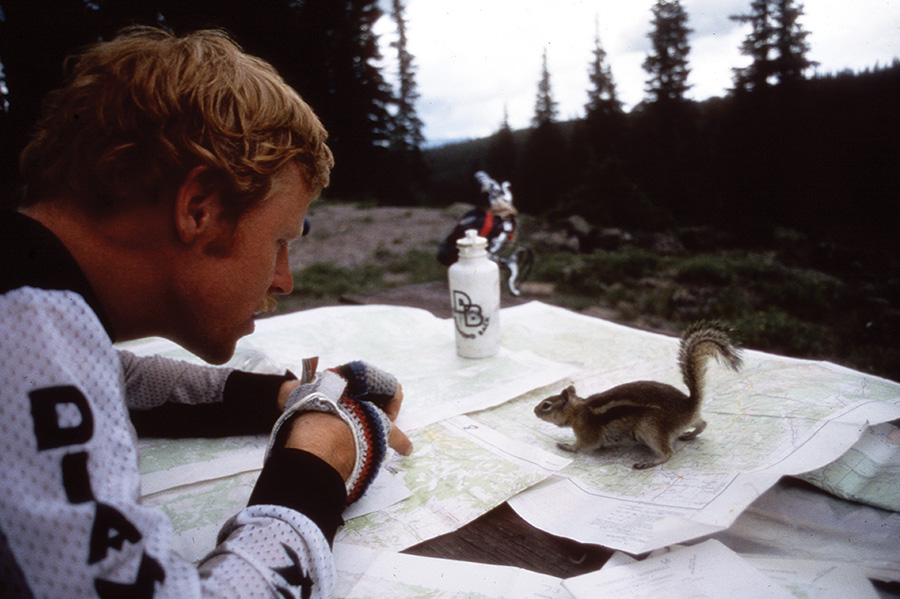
(475, 298)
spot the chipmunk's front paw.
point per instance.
(644, 465)
(568, 447)
(650, 463)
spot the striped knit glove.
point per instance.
(368, 383)
(370, 426)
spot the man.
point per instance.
(163, 186)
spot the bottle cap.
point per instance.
(472, 245)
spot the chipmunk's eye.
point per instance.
(546, 405)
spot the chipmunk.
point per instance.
(645, 412)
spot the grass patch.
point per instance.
(419, 266)
(630, 264)
(705, 270)
(780, 332)
(793, 311)
(327, 281)
(324, 281)
(592, 275)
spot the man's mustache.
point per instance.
(268, 304)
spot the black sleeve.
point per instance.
(249, 406)
(305, 483)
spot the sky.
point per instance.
(478, 59)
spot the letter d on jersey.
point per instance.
(61, 417)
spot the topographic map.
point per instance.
(777, 416)
(478, 443)
(439, 489)
(868, 472)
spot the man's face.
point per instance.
(230, 287)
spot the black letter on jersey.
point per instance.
(76, 479)
(294, 576)
(111, 529)
(47, 428)
(144, 586)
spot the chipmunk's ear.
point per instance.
(568, 392)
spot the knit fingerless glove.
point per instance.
(368, 383)
(369, 424)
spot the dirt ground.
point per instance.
(349, 235)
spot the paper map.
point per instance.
(777, 416)
(444, 490)
(868, 472)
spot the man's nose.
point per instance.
(283, 283)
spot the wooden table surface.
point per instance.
(501, 537)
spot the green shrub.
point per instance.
(554, 267)
(805, 293)
(628, 264)
(778, 331)
(705, 269)
(419, 265)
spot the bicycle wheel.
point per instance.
(524, 256)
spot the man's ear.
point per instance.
(197, 206)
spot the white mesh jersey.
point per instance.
(71, 523)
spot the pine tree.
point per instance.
(758, 46)
(790, 42)
(667, 64)
(335, 69)
(542, 174)
(4, 90)
(406, 134)
(545, 107)
(776, 45)
(403, 172)
(500, 158)
(602, 97)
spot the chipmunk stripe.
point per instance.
(635, 405)
(618, 412)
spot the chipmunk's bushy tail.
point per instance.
(700, 341)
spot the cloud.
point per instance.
(476, 58)
(712, 17)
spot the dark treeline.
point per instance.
(326, 50)
(818, 155)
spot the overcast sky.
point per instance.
(475, 58)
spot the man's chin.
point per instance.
(214, 353)
(216, 347)
(217, 357)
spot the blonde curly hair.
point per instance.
(139, 112)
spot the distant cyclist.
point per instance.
(497, 223)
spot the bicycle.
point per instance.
(498, 224)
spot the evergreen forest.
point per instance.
(782, 150)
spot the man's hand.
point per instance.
(325, 436)
(329, 438)
(397, 439)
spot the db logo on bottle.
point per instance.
(468, 315)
